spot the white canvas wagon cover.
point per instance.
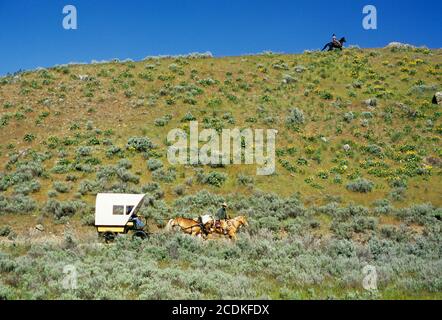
(115, 209)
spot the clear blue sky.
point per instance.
(31, 32)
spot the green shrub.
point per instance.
(344, 248)
(88, 187)
(5, 231)
(382, 207)
(360, 185)
(342, 230)
(270, 223)
(52, 194)
(124, 163)
(349, 116)
(18, 204)
(179, 190)
(154, 189)
(362, 224)
(62, 209)
(84, 151)
(398, 183)
(326, 95)
(213, 178)
(151, 187)
(394, 233)
(421, 213)
(374, 150)
(367, 115)
(243, 179)
(28, 187)
(295, 118)
(164, 175)
(208, 82)
(154, 164)
(398, 194)
(161, 122)
(126, 176)
(140, 144)
(83, 167)
(113, 151)
(29, 137)
(188, 117)
(61, 187)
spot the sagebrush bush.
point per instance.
(213, 178)
(140, 144)
(61, 187)
(383, 206)
(126, 176)
(421, 213)
(52, 194)
(88, 187)
(188, 117)
(164, 175)
(124, 163)
(154, 164)
(161, 122)
(114, 151)
(398, 194)
(60, 209)
(243, 179)
(26, 188)
(84, 151)
(349, 117)
(151, 187)
(5, 231)
(374, 150)
(360, 185)
(295, 118)
(179, 190)
(19, 204)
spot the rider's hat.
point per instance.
(224, 204)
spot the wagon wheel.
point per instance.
(140, 234)
(109, 236)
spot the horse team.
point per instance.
(206, 226)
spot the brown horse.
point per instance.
(189, 226)
(232, 226)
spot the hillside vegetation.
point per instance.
(357, 181)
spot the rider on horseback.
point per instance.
(221, 215)
(335, 40)
(335, 43)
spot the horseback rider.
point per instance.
(335, 40)
(221, 215)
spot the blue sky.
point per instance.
(31, 32)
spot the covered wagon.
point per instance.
(116, 213)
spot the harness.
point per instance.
(198, 224)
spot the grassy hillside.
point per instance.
(358, 177)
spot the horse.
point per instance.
(332, 45)
(231, 226)
(189, 226)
